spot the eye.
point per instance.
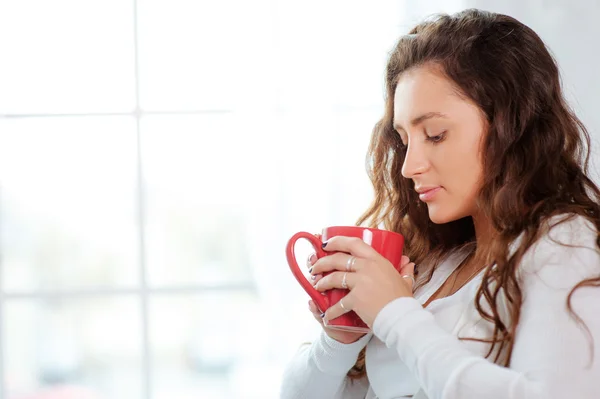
(438, 138)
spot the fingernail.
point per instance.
(322, 315)
(313, 277)
(324, 245)
(310, 270)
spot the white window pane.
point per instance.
(339, 60)
(68, 204)
(66, 56)
(198, 176)
(354, 189)
(361, 54)
(212, 346)
(71, 349)
(306, 54)
(308, 168)
(194, 53)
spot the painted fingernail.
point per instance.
(324, 245)
(310, 270)
(313, 277)
(322, 315)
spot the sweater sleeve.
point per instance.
(319, 371)
(553, 355)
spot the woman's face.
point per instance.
(443, 133)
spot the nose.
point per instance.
(415, 161)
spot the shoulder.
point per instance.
(567, 245)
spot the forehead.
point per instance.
(422, 90)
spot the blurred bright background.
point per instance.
(156, 155)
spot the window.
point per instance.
(155, 156)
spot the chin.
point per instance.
(438, 215)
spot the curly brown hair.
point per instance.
(535, 156)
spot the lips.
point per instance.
(427, 193)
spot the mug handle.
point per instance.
(320, 299)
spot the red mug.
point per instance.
(387, 243)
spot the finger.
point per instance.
(409, 268)
(408, 274)
(315, 279)
(338, 261)
(315, 311)
(338, 309)
(312, 306)
(351, 245)
(405, 261)
(336, 280)
(310, 260)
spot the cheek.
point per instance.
(463, 174)
(473, 177)
(462, 171)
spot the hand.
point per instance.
(372, 280)
(344, 337)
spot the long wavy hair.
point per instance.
(535, 156)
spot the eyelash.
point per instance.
(437, 139)
(432, 139)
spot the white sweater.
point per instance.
(415, 351)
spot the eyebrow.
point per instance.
(420, 119)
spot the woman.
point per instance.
(479, 162)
